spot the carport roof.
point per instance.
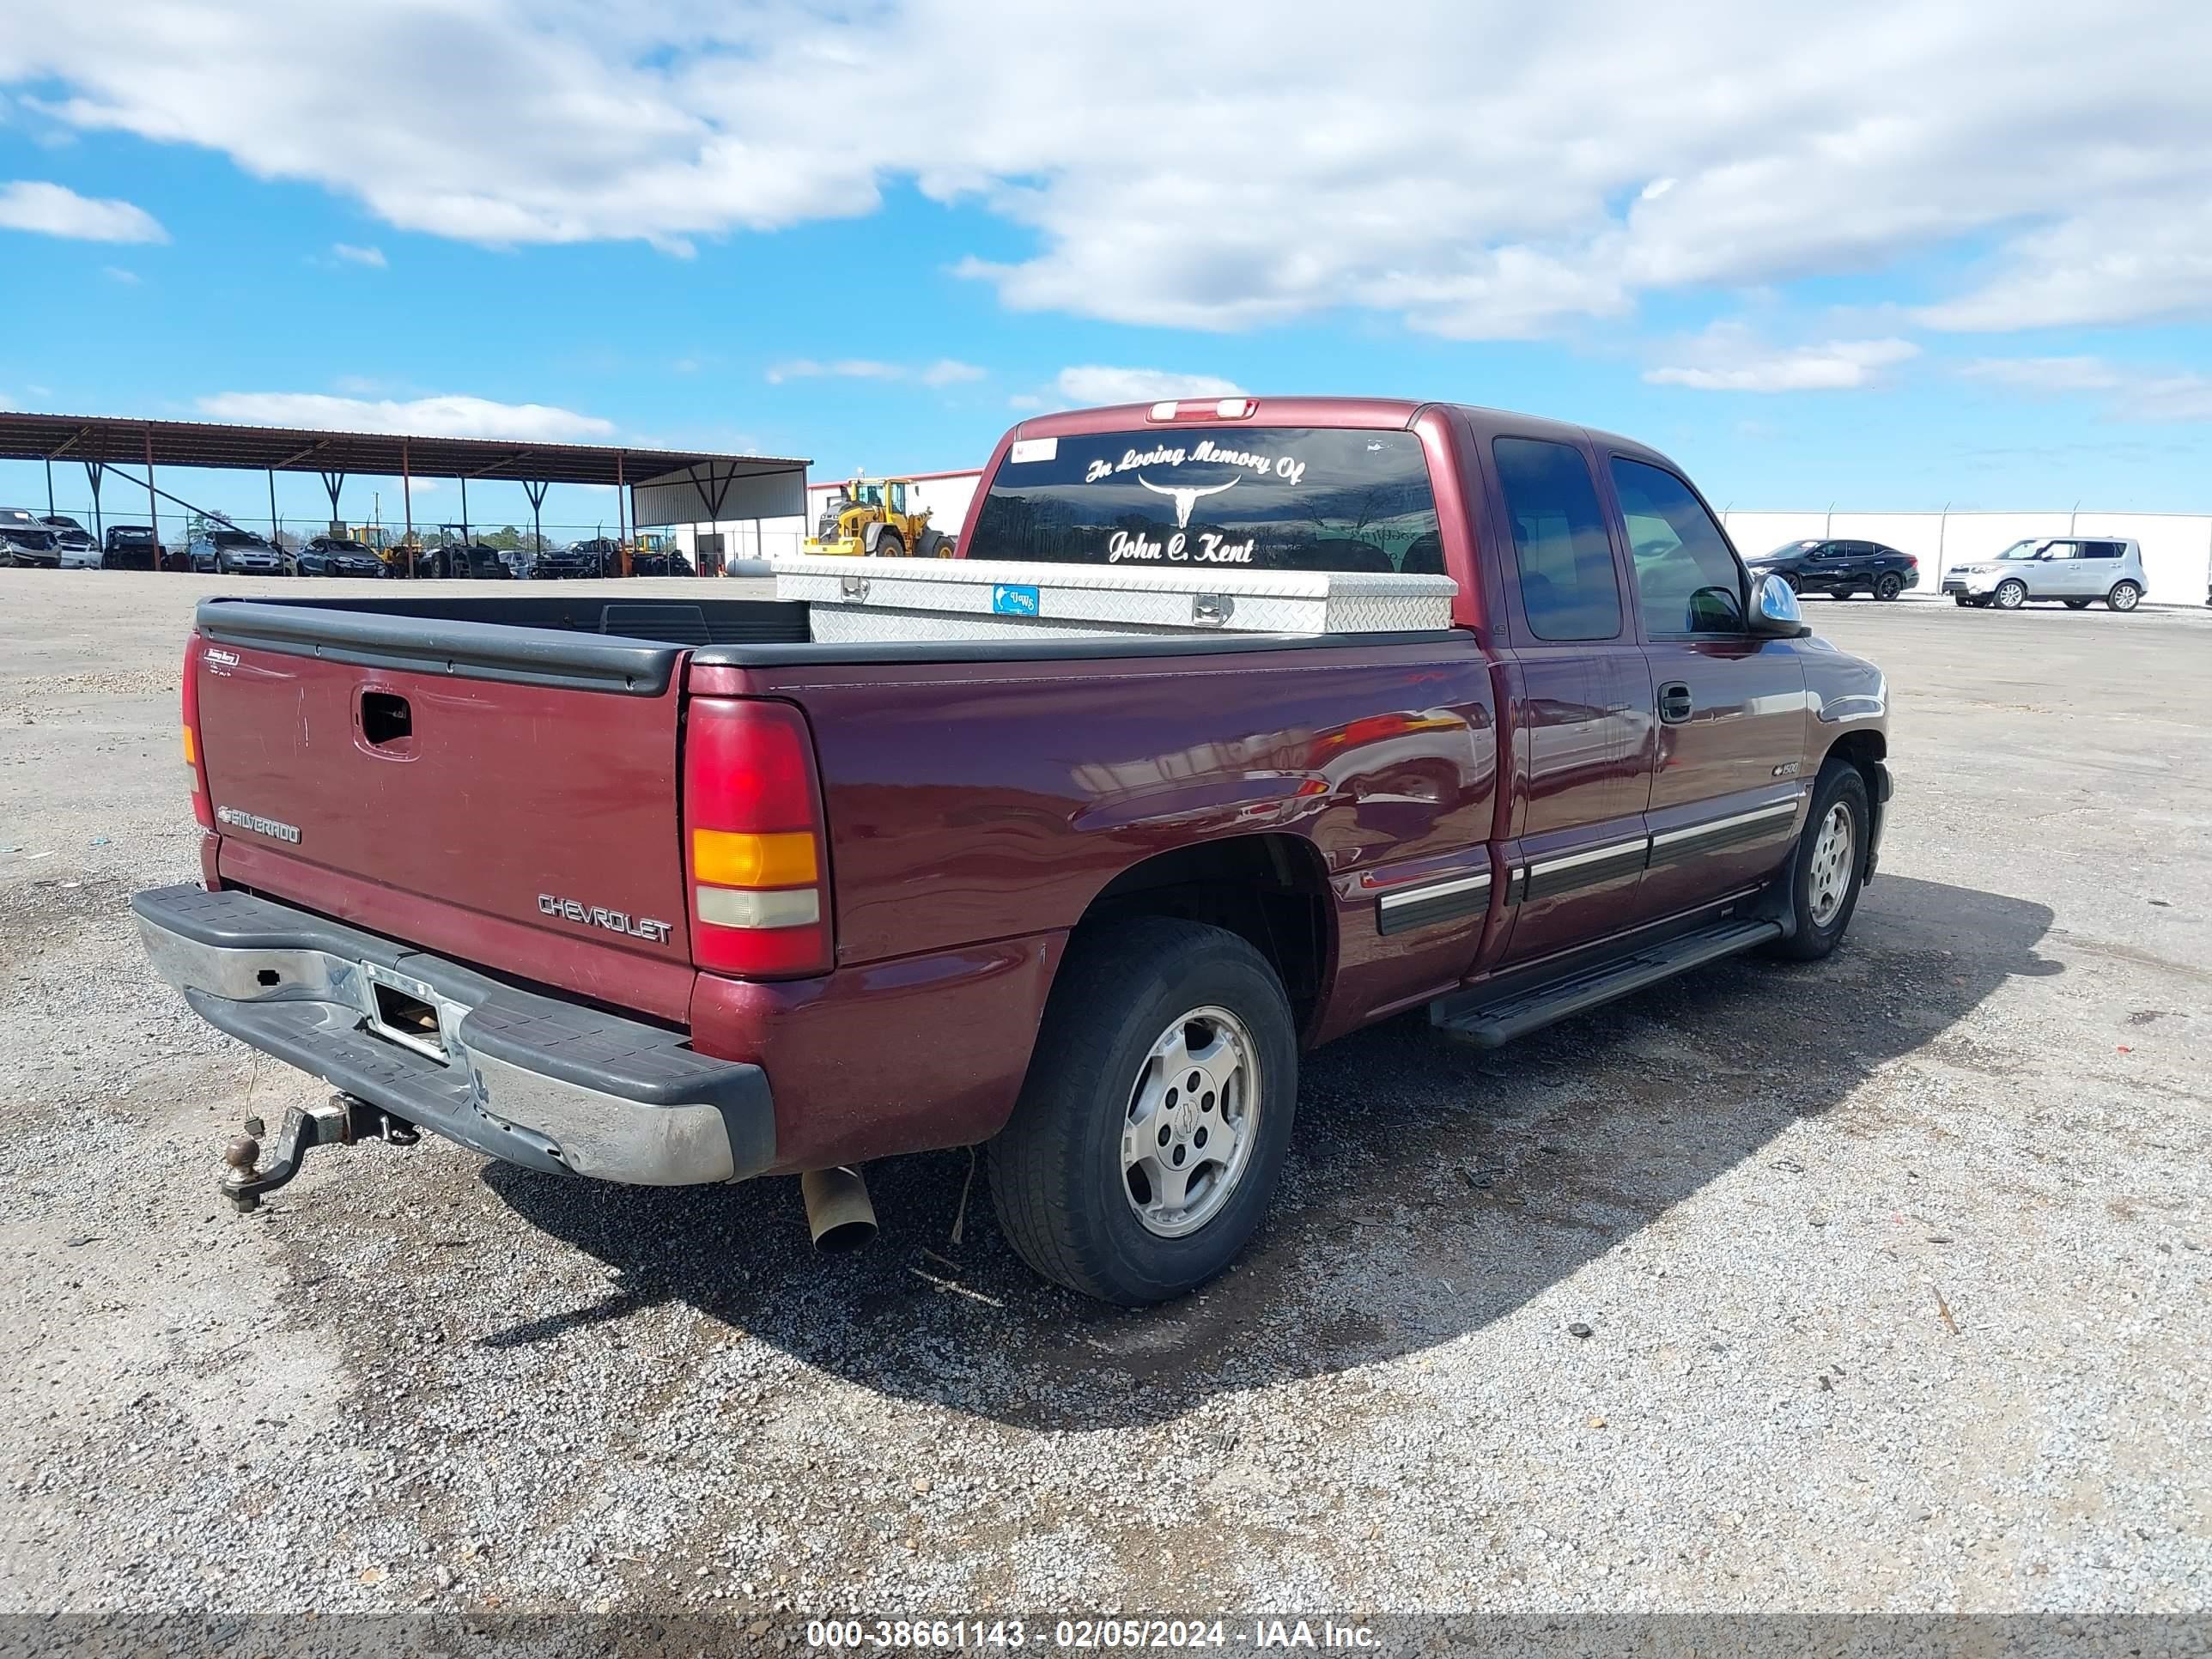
(298, 449)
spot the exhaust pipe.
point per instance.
(838, 1213)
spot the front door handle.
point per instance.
(1675, 704)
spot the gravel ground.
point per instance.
(1877, 1285)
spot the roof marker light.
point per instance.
(1163, 412)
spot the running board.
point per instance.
(1467, 1017)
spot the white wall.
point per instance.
(746, 538)
(2177, 548)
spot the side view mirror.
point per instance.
(1774, 613)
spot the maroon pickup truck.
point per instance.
(666, 892)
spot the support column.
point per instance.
(152, 508)
(537, 493)
(50, 487)
(276, 528)
(93, 470)
(407, 503)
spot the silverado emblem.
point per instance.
(275, 829)
(615, 921)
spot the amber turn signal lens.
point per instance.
(734, 858)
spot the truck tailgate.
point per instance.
(511, 803)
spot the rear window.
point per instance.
(1262, 498)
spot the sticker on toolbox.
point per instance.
(1008, 600)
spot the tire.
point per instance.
(1888, 585)
(2009, 594)
(2077, 604)
(2124, 595)
(888, 545)
(1961, 601)
(1066, 1195)
(1820, 896)
(1791, 578)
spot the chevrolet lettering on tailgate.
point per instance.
(615, 921)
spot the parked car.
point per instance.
(667, 562)
(336, 555)
(2075, 571)
(25, 540)
(130, 547)
(1840, 568)
(78, 550)
(1078, 900)
(563, 563)
(235, 553)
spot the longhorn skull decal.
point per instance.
(1185, 496)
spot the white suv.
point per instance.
(2072, 569)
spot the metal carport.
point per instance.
(652, 486)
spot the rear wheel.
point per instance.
(2124, 595)
(1826, 872)
(1153, 1123)
(2010, 595)
(1888, 585)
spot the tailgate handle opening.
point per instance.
(386, 718)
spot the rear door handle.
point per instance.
(1675, 704)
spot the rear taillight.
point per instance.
(753, 848)
(202, 808)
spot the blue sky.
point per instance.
(1906, 294)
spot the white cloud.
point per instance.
(1726, 357)
(2124, 263)
(440, 417)
(56, 210)
(118, 274)
(2052, 374)
(1093, 383)
(948, 371)
(360, 256)
(2126, 393)
(945, 371)
(1246, 176)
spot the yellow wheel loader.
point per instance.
(871, 517)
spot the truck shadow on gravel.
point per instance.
(1432, 1190)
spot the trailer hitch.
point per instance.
(340, 1120)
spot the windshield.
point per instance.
(336, 546)
(126, 532)
(2026, 549)
(1267, 498)
(58, 521)
(1790, 549)
(236, 538)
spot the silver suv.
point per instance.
(2074, 570)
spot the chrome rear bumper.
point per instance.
(533, 1079)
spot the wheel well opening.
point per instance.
(1866, 750)
(1270, 890)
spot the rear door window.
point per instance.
(2102, 550)
(1260, 498)
(1563, 557)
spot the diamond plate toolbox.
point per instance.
(860, 600)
